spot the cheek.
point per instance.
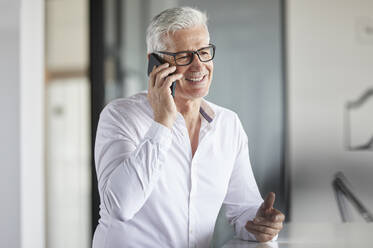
(211, 69)
(180, 70)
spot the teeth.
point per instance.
(195, 79)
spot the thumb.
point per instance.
(269, 201)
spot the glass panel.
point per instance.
(248, 73)
(67, 134)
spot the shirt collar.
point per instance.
(206, 111)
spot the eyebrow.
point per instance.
(191, 50)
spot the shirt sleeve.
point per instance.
(127, 169)
(243, 198)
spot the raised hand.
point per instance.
(267, 222)
(159, 94)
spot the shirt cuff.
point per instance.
(160, 134)
(240, 224)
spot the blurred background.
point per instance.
(298, 73)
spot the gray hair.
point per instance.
(169, 21)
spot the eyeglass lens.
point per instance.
(204, 55)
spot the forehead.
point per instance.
(188, 39)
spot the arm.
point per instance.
(253, 219)
(243, 198)
(127, 170)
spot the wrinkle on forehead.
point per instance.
(187, 39)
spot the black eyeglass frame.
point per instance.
(191, 52)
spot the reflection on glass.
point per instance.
(343, 192)
(358, 122)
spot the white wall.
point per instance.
(67, 35)
(21, 126)
(68, 187)
(10, 149)
(329, 63)
(32, 123)
(68, 163)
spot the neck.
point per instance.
(189, 109)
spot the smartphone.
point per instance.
(155, 60)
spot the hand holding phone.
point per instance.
(159, 97)
(155, 60)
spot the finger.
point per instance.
(261, 229)
(268, 202)
(159, 68)
(161, 76)
(261, 237)
(170, 79)
(155, 71)
(265, 222)
(276, 215)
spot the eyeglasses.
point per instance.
(182, 58)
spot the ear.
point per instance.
(148, 55)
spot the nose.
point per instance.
(196, 63)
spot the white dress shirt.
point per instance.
(154, 193)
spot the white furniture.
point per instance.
(307, 235)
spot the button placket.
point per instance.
(191, 236)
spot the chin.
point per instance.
(196, 90)
(197, 93)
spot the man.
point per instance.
(165, 165)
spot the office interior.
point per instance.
(297, 72)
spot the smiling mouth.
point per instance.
(196, 79)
